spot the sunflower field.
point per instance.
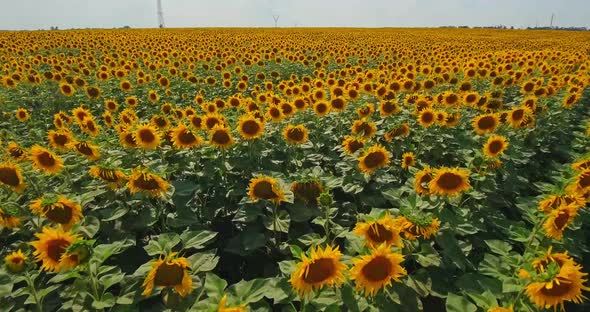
(294, 170)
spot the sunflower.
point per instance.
(146, 136)
(413, 227)
(58, 209)
(388, 108)
(408, 160)
(89, 127)
(222, 307)
(321, 108)
(427, 117)
(397, 132)
(143, 181)
(295, 134)
(495, 146)
(449, 181)
(9, 221)
(184, 138)
(131, 101)
(378, 232)
(338, 103)
(377, 270)
(11, 176)
(59, 139)
(366, 129)
(15, 261)
(487, 123)
(81, 114)
(365, 111)
(374, 158)
(125, 85)
(581, 165)
(582, 182)
(85, 149)
(351, 145)
(212, 120)
(321, 268)
(170, 272)
(92, 92)
(265, 188)
(220, 137)
(274, 113)
(66, 89)
(250, 127)
(127, 139)
(307, 191)
(558, 220)
(22, 115)
(555, 201)
(107, 117)
(44, 160)
(51, 246)
(518, 116)
(16, 152)
(560, 280)
(153, 96)
(113, 177)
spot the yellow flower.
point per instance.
(22, 114)
(51, 246)
(495, 146)
(8, 221)
(408, 160)
(58, 209)
(113, 177)
(373, 272)
(559, 219)
(374, 158)
(378, 232)
(44, 160)
(15, 261)
(415, 227)
(295, 134)
(250, 127)
(11, 176)
(143, 181)
(322, 268)
(266, 188)
(449, 181)
(171, 272)
(184, 138)
(146, 137)
(220, 137)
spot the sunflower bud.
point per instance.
(81, 249)
(15, 262)
(326, 199)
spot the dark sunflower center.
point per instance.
(84, 149)
(9, 176)
(470, 98)
(130, 140)
(16, 152)
(561, 220)
(449, 181)
(564, 288)
(486, 123)
(584, 180)
(56, 248)
(186, 137)
(91, 127)
(377, 269)
(22, 115)
(529, 87)
(518, 114)
(364, 128)
(287, 109)
(495, 147)
(388, 107)
(250, 127)
(263, 189)
(108, 175)
(221, 137)
(319, 271)
(147, 136)
(146, 182)
(81, 115)
(374, 159)
(66, 89)
(295, 134)
(60, 139)
(59, 213)
(408, 160)
(427, 117)
(338, 103)
(196, 121)
(211, 122)
(308, 191)
(452, 99)
(93, 92)
(46, 160)
(16, 260)
(355, 145)
(379, 234)
(321, 108)
(275, 113)
(168, 275)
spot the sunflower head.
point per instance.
(364, 128)
(169, 272)
(143, 181)
(379, 231)
(295, 134)
(495, 146)
(85, 149)
(16, 152)
(427, 117)
(11, 176)
(114, 178)
(220, 137)
(487, 123)
(22, 114)
(374, 158)
(50, 246)
(250, 127)
(45, 160)
(352, 144)
(449, 181)
(265, 188)
(415, 226)
(408, 160)
(185, 138)
(307, 191)
(59, 209)
(15, 261)
(558, 220)
(377, 270)
(321, 267)
(147, 137)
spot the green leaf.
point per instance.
(107, 301)
(499, 247)
(110, 280)
(197, 239)
(203, 262)
(457, 303)
(511, 285)
(90, 226)
(162, 244)
(5, 285)
(279, 223)
(214, 285)
(296, 251)
(287, 266)
(348, 298)
(251, 291)
(104, 251)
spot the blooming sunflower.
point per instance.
(274, 113)
(495, 146)
(582, 182)
(388, 108)
(351, 145)
(558, 220)
(8, 221)
(449, 181)
(518, 116)
(266, 188)
(11, 176)
(85, 149)
(22, 115)
(307, 191)
(374, 158)
(365, 129)
(113, 177)
(44, 160)
(487, 123)
(413, 227)
(147, 137)
(397, 132)
(408, 160)
(321, 268)
(380, 231)
(51, 246)
(58, 209)
(373, 272)
(250, 127)
(321, 108)
(426, 118)
(295, 134)
(66, 89)
(143, 181)
(171, 272)
(220, 137)
(59, 139)
(338, 103)
(184, 138)
(581, 165)
(81, 114)
(127, 139)
(16, 152)
(15, 261)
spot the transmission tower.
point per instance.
(276, 18)
(160, 14)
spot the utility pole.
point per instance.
(276, 18)
(160, 14)
(552, 16)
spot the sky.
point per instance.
(65, 14)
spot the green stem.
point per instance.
(274, 225)
(93, 283)
(31, 284)
(327, 223)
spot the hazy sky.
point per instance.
(36, 14)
